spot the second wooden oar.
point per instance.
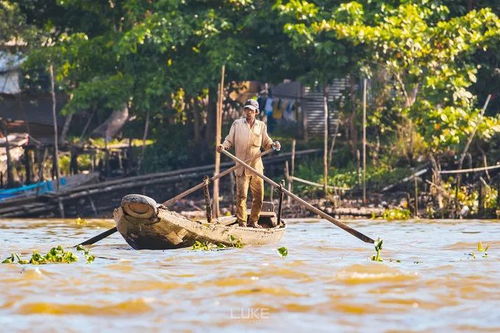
(111, 231)
(307, 205)
(97, 238)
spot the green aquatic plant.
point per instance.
(282, 251)
(208, 246)
(235, 241)
(378, 249)
(203, 246)
(55, 255)
(480, 249)
(396, 214)
(88, 257)
(80, 221)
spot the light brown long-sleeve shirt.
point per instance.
(247, 142)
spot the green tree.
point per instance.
(162, 58)
(427, 60)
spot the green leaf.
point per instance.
(282, 251)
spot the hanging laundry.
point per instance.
(269, 106)
(288, 114)
(277, 109)
(291, 111)
(262, 102)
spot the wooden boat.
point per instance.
(145, 224)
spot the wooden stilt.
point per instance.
(206, 194)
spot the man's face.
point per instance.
(250, 114)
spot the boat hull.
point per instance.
(160, 229)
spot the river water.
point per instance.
(429, 281)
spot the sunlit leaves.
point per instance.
(425, 55)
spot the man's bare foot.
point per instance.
(254, 225)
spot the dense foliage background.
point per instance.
(431, 65)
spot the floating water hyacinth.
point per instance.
(90, 258)
(235, 241)
(207, 246)
(282, 251)
(482, 249)
(55, 255)
(378, 249)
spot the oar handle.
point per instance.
(97, 238)
(307, 205)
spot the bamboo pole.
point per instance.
(218, 136)
(307, 182)
(470, 170)
(364, 141)
(292, 171)
(325, 140)
(206, 194)
(307, 205)
(144, 137)
(289, 180)
(54, 119)
(462, 157)
(10, 174)
(416, 197)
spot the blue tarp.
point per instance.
(41, 187)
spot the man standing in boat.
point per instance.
(248, 135)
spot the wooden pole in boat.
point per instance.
(292, 171)
(289, 180)
(206, 194)
(304, 203)
(218, 136)
(280, 207)
(111, 231)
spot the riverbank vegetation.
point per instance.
(431, 70)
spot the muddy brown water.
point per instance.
(429, 281)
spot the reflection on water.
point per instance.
(428, 281)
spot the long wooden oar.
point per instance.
(111, 231)
(307, 205)
(97, 238)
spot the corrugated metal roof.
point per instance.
(313, 107)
